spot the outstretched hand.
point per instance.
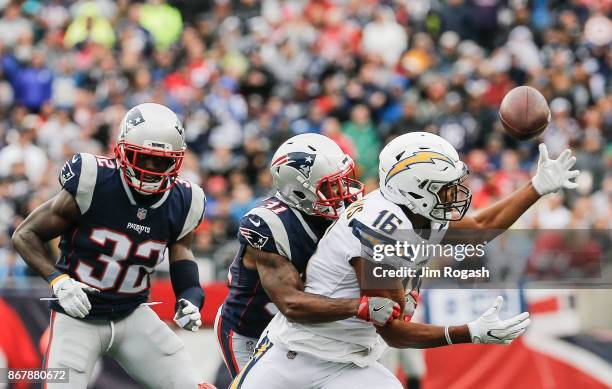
(489, 328)
(554, 174)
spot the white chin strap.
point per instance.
(150, 186)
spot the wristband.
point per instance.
(447, 336)
(55, 277)
(185, 282)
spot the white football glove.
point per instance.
(188, 316)
(554, 174)
(489, 328)
(72, 297)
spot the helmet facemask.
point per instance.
(313, 175)
(453, 199)
(336, 191)
(149, 170)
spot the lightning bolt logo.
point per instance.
(418, 157)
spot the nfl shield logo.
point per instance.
(141, 214)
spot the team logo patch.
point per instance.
(133, 119)
(254, 238)
(141, 214)
(298, 160)
(66, 174)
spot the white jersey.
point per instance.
(330, 273)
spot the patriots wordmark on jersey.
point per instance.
(118, 242)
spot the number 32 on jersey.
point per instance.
(117, 274)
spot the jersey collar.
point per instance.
(130, 195)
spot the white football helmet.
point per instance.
(423, 172)
(150, 148)
(311, 173)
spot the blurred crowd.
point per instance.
(244, 75)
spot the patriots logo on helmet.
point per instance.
(298, 160)
(133, 119)
(255, 239)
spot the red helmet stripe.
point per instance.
(280, 160)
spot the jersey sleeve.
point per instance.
(195, 214)
(255, 232)
(78, 177)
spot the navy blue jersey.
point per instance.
(274, 227)
(117, 243)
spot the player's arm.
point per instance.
(404, 334)
(489, 222)
(285, 288)
(46, 222)
(399, 333)
(185, 280)
(551, 176)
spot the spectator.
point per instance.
(361, 131)
(520, 45)
(13, 25)
(31, 81)
(90, 25)
(311, 123)
(332, 129)
(407, 122)
(58, 131)
(455, 125)
(552, 214)
(258, 80)
(23, 150)
(454, 17)
(163, 21)
(384, 37)
(563, 130)
(338, 37)
(286, 62)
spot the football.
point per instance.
(524, 113)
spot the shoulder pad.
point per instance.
(197, 207)
(264, 230)
(254, 231)
(78, 177)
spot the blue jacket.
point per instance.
(31, 86)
